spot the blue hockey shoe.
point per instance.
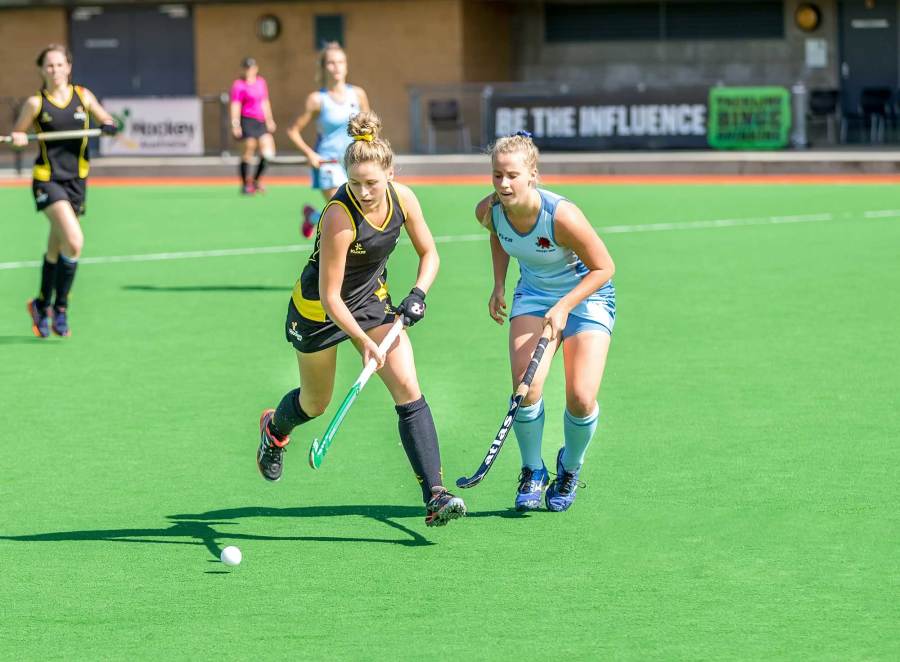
(60, 324)
(532, 483)
(561, 492)
(40, 318)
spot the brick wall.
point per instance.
(389, 45)
(23, 34)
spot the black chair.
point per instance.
(875, 107)
(445, 115)
(823, 108)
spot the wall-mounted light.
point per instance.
(807, 17)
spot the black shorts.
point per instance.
(73, 190)
(252, 128)
(308, 336)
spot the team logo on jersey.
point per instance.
(80, 114)
(40, 196)
(544, 243)
(357, 249)
(46, 118)
(293, 331)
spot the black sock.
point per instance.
(259, 169)
(245, 169)
(65, 275)
(419, 437)
(48, 278)
(288, 415)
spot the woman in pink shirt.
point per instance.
(251, 121)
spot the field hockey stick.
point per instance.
(274, 159)
(518, 396)
(319, 447)
(48, 136)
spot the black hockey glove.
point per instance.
(109, 129)
(412, 307)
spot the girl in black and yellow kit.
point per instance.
(60, 180)
(343, 293)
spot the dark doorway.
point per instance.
(868, 47)
(134, 51)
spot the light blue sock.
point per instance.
(578, 433)
(529, 428)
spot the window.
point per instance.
(604, 22)
(328, 28)
(667, 19)
(724, 20)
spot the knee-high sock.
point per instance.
(529, 429)
(48, 280)
(288, 415)
(419, 437)
(578, 433)
(245, 171)
(261, 166)
(65, 276)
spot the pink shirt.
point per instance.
(250, 97)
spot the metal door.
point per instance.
(134, 51)
(868, 46)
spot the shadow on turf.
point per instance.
(24, 340)
(197, 529)
(207, 288)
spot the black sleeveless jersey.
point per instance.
(365, 273)
(59, 160)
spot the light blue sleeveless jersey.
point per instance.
(547, 270)
(332, 123)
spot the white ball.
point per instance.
(231, 556)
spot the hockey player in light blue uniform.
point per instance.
(565, 282)
(331, 107)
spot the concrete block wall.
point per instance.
(670, 64)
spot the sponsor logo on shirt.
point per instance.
(293, 331)
(357, 249)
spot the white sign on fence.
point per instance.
(163, 126)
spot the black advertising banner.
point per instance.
(604, 121)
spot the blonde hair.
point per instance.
(323, 55)
(518, 142)
(367, 145)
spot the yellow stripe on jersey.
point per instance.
(390, 213)
(84, 166)
(64, 105)
(42, 171)
(349, 215)
(311, 309)
(382, 290)
(402, 207)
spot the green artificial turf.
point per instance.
(742, 490)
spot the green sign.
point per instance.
(749, 117)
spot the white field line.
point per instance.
(882, 213)
(447, 239)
